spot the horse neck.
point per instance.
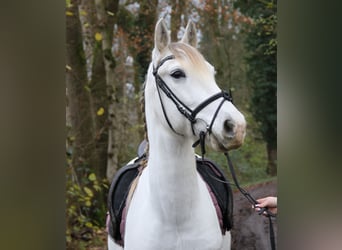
(172, 173)
(171, 156)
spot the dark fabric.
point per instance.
(117, 196)
(216, 180)
(210, 173)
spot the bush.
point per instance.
(85, 213)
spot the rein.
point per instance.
(251, 200)
(191, 116)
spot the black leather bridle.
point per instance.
(189, 113)
(191, 116)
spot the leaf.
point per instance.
(69, 13)
(88, 203)
(69, 161)
(68, 67)
(77, 187)
(86, 87)
(83, 13)
(92, 177)
(88, 191)
(100, 111)
(68, 238)
(98, 36)
(68, 3)
(97, 188)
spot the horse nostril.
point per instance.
(229, 127)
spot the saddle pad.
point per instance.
(210, 173)
(219, 185)
(117, 196)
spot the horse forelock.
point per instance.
(190, 55)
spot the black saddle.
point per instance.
(209, 171)
(117, 196)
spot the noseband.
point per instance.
(183, 108)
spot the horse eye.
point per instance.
(178, 74)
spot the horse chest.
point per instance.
(155, 237)
(149, 227)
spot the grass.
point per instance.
(250, 162)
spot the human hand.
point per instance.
(270, 202)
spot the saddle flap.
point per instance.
(117, 196)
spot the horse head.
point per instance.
(181, 93)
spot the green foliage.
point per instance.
(263, 76)
(261, 45)
(224, 48)
(82, 207)
(68, 3)
(125, 20)
(254, 8)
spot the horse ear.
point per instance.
(161, 35)
(190, 35)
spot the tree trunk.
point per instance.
(272, 160)
(78, 96)
(97, 86)
(106, 26)
(144, 35)
(145, 24)
(179, 8)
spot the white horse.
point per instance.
(171, 207)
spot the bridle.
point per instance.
(191, 114)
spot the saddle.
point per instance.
(217, 184)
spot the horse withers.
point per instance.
(171, 207)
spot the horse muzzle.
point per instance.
(232, 136)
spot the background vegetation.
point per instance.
(108, 50)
